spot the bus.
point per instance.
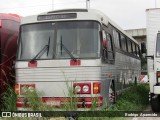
(153, 55)
(9, 29)
(75, 53)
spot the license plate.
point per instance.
(53, 103)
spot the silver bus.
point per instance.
(75, 53)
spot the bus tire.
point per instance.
(135, 81)
(155, 103)
(112, 92)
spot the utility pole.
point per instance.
(52, 4)
(155, 3)
(87, 4)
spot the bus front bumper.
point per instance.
(59, 102)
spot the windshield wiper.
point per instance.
(48, 46)
(42, 51)
(69, 53)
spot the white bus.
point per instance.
(78, 50)
(153, 55)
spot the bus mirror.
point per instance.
(143, 48)
(104, 43)
(150, 56)
(0, 24)
(104, 40)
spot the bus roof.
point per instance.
(14, 17)
(81, 14)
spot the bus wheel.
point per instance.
(155, 103)
(135, 81)
(112, 93)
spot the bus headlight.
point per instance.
(85, 88)
(82, 88)
(77, 89)
(25, 88)
(30, 88)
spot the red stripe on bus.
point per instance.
(75, 62)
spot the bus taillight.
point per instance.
(82, 88)
(96, 87)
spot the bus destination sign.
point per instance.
(57, 16)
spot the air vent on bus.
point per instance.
(69, 10)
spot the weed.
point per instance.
(134, 99)
(9, 100)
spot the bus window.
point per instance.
(123, 42)
(80, 38)
(133, 46)
(158, 44)
(129, 46)
(116, 38)
(109, 47)
(126, 44)
(138, 51)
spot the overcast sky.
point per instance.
(128, 14)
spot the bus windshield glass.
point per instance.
(59, 40)
(158, 45)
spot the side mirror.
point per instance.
(150, 56)
(104, 43)
(143, 48)
(104, 39)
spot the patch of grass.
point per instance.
(9, 100)
(133, 99)
(34, 103)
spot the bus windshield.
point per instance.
(63, 40)
(158, 45)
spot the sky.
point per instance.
(128, 14)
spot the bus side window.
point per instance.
(140, 54)
(126, 44)
(133, 46)
(123, 42)
(116, 38)
(110, 51)
(129, 46)
(137, 47)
